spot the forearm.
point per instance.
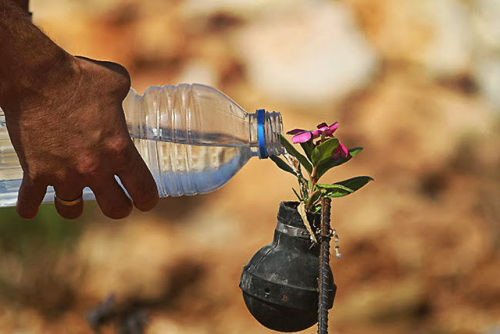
(27, 57)
(24, 4)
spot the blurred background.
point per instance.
(416, 82)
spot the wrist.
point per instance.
(29, 60)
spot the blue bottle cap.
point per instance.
(261, 134)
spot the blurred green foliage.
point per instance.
(48, 230)
(37, 264)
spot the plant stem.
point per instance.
(310, 192)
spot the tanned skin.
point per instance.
(65, 120)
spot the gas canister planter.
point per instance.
(280, 283)
(288, 285)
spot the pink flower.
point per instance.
(300, 136)
(340, 152)
(328, 130)
(303, 136)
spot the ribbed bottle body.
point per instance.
(192, 137)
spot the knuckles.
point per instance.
(38, 177)
(88, 165)
(119, 82)
(115, 151)
(118, 147)
(123, 76)
(112, 152)
(112, 76)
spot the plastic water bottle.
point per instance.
(192, 137)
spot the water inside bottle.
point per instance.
(204, 164)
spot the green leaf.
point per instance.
(324, 151)
(282, 165)
(315, 197)
(328, 164)
(356, 182)
(347, 187)
(316, 209)
(334, 186)
(354, 151)
(308, 147)
(296, 194)
(291, 150)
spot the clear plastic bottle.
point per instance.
(192, 137)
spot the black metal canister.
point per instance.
(280, 283)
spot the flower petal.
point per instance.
(334, 127)
(302, 138)
(317, 133)
(295, 131)
(328, 130)
(331, 129)
(341, 152)
(323, 129)
(322, 125)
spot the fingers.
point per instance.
(111, 198)
(139, 183)
(29, 198)
(67, 193)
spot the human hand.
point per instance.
(71, 133)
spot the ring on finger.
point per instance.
(71, 202)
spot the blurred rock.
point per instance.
(382, 303)
(240, 8)
(163, 326)
(158, 38)
(492, 330)
(53, 8)
(116, 259)
(435, 34)
(448, 38)
(311, 54)
(450, 46)
(198, 71)
(487, 73)
(485, 14)
(418, 122)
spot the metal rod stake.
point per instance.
(324, 264)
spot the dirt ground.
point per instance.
(413, 82)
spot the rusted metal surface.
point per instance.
(324, 266)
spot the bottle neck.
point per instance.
(265, 133)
